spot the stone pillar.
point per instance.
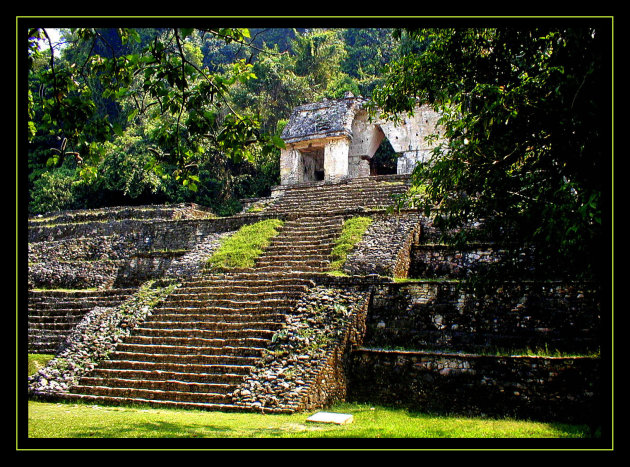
(336, 160)
(290, 166)
(407, 160)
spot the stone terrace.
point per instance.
(285, 336)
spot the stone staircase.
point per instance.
(52, 314)
(203, 341)
(198, 345)
(352, 195)
(304, 245)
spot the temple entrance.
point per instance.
(384, 161)
(313, 164)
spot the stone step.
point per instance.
(257, 342)
(296, 268)
(44, 346)
(219, 311)
(160, 385)
(204, 333)
(54, 326)
(231, 295)
(284, 261)
(38, 335)
(76, 313)
(247, 351)
(368, 188)
(250, 279)
(355, 196)
(54, 319)
(319, 239)
(176, 367)
(222, 317)
(169, 396)
(225, 407)
(168, 358)
(212, 325)
(237, 289)
(254, 304)
(314, 229)
(330, 204)
(290, 249)
(72, 305)
(80, 294)
(226, 378)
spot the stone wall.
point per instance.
(552, 389)
(304, 366)
(146, 212)
(434, 260)
(437, 314)
(124, 253)
(386, 245)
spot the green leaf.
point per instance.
(278, 142)
(186, 32)
(117, 128)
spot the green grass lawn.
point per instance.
(78, 420)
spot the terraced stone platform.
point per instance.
(52, 314)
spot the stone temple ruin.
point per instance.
(124, 299)
(335, 140)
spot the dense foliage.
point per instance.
(525, 140)
(137, 116)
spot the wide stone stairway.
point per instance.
(351, 195)
(201, 343)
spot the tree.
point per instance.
(318, 56)
(155, 79)
(524, 142)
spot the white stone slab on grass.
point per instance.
(329, 417)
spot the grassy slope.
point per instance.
(37, 362)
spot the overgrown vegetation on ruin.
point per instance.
(351, 234)
(241, 249)
(127, 116)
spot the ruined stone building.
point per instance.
(335, 140)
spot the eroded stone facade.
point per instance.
(336, 139)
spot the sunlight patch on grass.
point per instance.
(37, 361)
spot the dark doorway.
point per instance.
(313, 164)
(384, 161)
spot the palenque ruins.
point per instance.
(125, 300)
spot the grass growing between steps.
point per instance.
(76, 420)
(241, 249)
(351, 234)
(38, 361)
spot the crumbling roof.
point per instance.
(325, 119)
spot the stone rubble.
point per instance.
(295, 357)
